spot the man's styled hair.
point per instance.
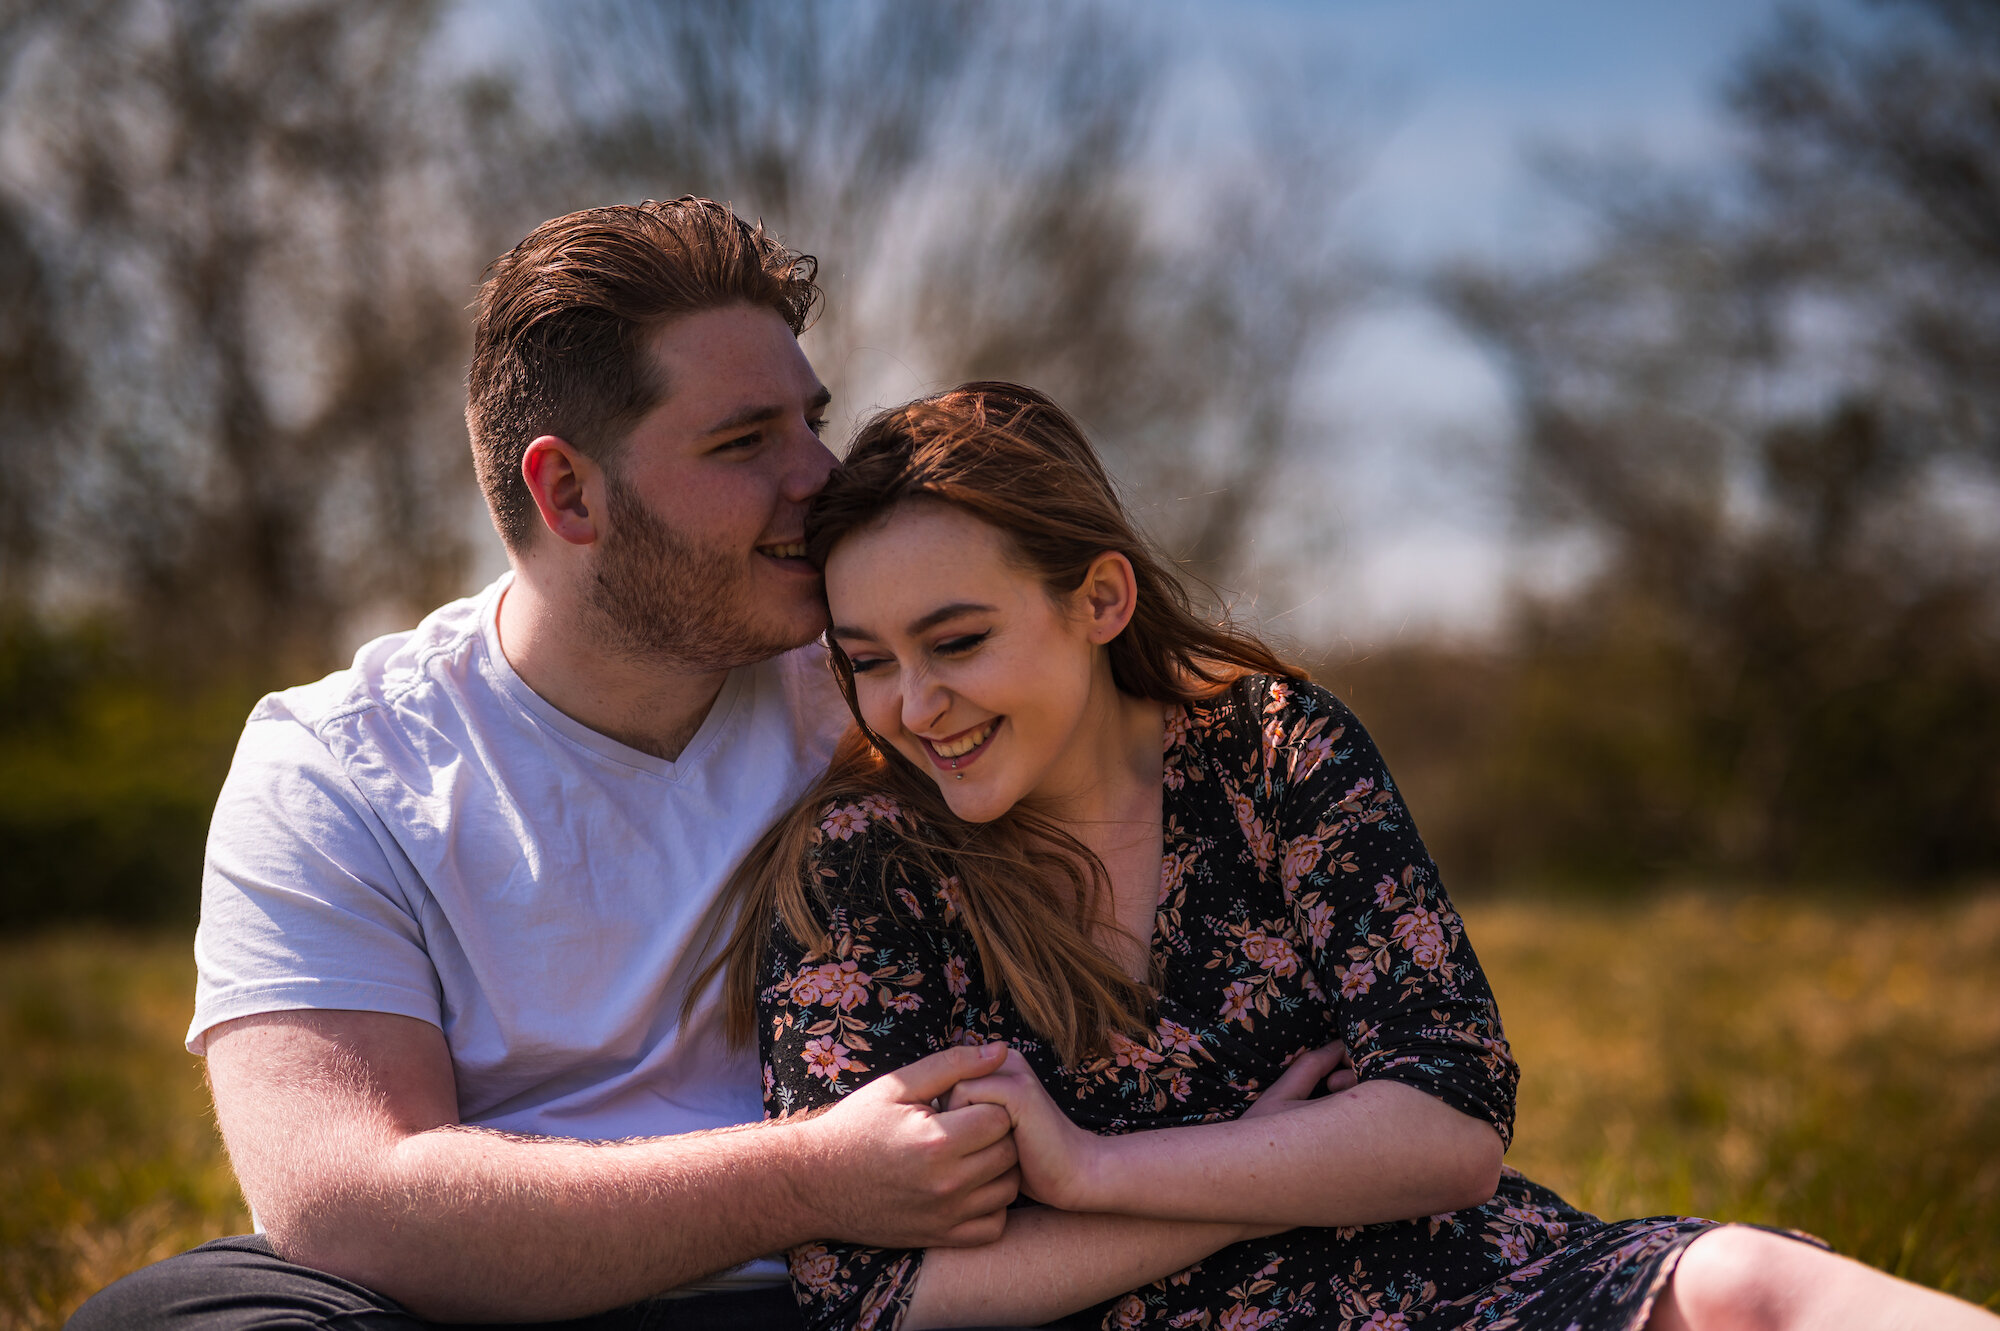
(559, 345)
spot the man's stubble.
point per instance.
(661, 599)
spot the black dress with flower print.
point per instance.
(1297, 906)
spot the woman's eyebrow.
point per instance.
(929, 621)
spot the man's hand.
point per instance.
(911, 1176)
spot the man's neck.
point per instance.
(640, 705)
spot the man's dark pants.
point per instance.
(239, 1284)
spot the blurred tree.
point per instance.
(237, 229)
(1772, 404)
(1001, 193)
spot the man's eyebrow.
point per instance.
(756, 415)
(930, 621)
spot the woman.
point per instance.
(1175, 877)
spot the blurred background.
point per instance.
(1605, 399)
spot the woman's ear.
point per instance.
(1108, 596)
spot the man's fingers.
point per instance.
(1343, 1079)
(993, 1162)
(976, 1126)
(994, 1196)
(930, 1077)
(976, 1232)
(1297, 1081)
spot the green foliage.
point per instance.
(107, 779)
(111, 1161)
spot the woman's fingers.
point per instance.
(1298, 1083)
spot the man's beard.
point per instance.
(661, 599)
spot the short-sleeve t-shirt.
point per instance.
(422, 834)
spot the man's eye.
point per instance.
(954, 646)
(863, 664)
(817, 426)
(740, 443)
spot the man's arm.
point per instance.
(343, 1128)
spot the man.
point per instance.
(455, 894)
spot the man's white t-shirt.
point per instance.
(422, 834)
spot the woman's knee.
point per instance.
(1735, 1278)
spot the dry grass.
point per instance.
(1834, 1067)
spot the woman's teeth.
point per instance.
(795, 550)
(964, 744)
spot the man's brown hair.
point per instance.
(559, 345)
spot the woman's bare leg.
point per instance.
(1740, 1279)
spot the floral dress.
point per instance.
(1297, 906)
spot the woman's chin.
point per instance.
(972, 805)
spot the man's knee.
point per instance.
(235, 1284)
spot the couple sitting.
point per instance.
(1078, 901)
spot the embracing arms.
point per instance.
(344, 1132)
(1380, 1151)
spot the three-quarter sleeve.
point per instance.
(887, 989)
(1363, 892)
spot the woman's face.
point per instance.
(966, 664)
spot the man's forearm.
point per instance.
(1051, 1263)
(462, 1224)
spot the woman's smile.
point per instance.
(957, 752)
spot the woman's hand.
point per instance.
(1058, 1160)
(1296, 1085)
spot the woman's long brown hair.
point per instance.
(1029, 893)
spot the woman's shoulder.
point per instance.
(863, 853)
(1271, 712)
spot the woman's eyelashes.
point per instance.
(958, 645)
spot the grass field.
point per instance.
(1834, 1067)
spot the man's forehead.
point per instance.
(718, 364)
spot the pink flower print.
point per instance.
(837, 984)
(1273, 954)
(1236, 1317)
(770, 1080)
(1421, 931)
(815, 1268)
(954, 976)
(1301, 858)
(909, 900)
(947, 891)
(844, 823)
(1319, 923)
(827, 1058)
(1179, 1084)
(1317, 750)
(1128, 1315)
(1236, 1002)
(1385, 891)
(1514, 1247)
(1173, 868)
(880, 807)
(1381, 1320)
(1177, 729)
(1130, 1053)
(1172, 777)
(1281, 694)
(902, 1002)
(1357, 794)
(1175, 1036)
(1193, 1316)
(1357, 979)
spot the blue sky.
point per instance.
(1421, 536)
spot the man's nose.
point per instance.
(808, 467)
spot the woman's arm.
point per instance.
(1381, 1151)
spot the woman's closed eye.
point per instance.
(963, 643)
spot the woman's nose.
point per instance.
(925, 701)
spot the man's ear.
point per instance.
(568, 489)
(1108, 596)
